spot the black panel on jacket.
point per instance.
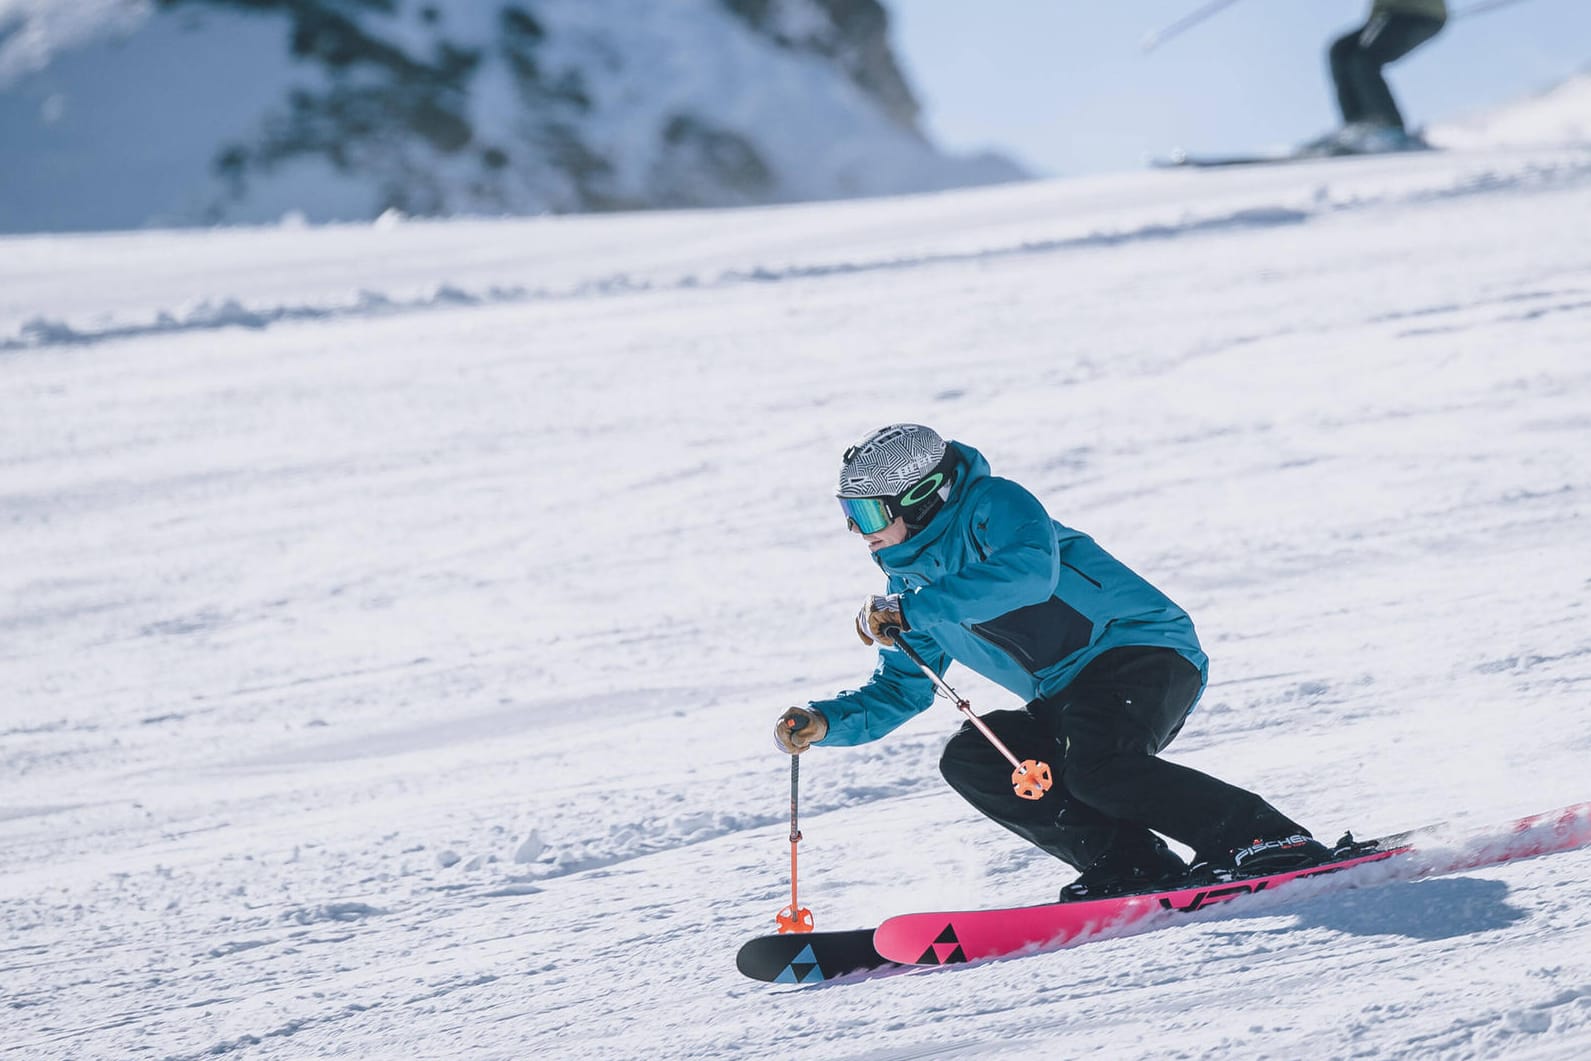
(1039, 635)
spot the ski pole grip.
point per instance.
(893, 633)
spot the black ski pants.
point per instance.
(1357, 59)
(1101, 735)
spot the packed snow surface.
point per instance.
(395, 616)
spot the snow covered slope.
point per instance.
(395, 616)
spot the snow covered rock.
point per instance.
(131, 112)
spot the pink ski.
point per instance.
(944, 938)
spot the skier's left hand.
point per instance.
(879, 613)
(799, 727)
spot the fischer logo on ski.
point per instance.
(803, 969)
(944, 950)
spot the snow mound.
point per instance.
(1559, 115)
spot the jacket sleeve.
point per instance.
(1020, 563)
(897, 691)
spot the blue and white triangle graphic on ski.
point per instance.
(803, 969)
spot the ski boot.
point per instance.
(1152, 867)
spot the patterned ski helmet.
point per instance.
(900, 470)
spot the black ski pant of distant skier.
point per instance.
(1357, 59)
(1101, 735)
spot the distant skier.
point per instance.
(978, 573)
(1371, 119)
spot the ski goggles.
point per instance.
(868, 515)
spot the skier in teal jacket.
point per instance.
(978, 573)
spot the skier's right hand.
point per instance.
(798, 728)
(880, 614)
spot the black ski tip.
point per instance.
(810, 957)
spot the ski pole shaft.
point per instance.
(795, 798)
(1481, 8)
(1029, 777)
(961, 705)
(793, 918)
(795, 829)
(1155, 39)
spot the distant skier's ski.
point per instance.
(947, 937)
(810, 957)
(1180, 160)
(1183, 160)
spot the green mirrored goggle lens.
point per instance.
(866, 515)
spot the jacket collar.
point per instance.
(974, 468)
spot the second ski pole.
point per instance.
(1030, 778)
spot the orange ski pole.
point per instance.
(1030, 778)
(794, 918)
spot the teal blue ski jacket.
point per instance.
(993, 583)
